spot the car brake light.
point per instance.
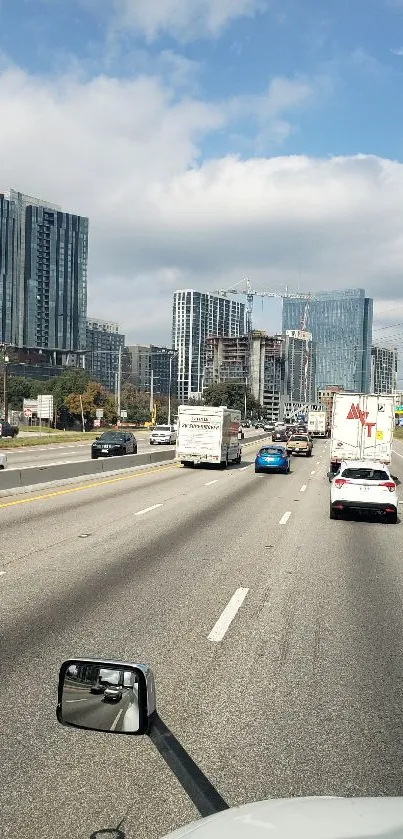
(390, 485)
(339, 482)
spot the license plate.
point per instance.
(105, 451)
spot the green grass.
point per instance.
(60, 437)
(43, 429)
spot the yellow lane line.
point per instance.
(92, 485)
(85, 486)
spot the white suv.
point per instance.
(163, 435)
(363, 485)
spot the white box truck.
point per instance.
(317, 423)
(208, 435)
(362, 428)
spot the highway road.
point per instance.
(301, 694)
(51, 454)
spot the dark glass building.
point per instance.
(341, 327)
(148, 361)
(102, 351)
(43, 278)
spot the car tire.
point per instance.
(1, 465)
(391, 518)
(135, 450)
(333, 514)
(257, 471)
(94, 456)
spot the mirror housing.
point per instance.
(110, 696)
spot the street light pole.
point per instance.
(170, 385)
(5, 388)
(119, 381)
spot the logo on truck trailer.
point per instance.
(356, 413)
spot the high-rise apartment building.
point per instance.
(43, 278)
(102, 351)
(196, 315)
(341, 326)
(383, 370)
(148, 362)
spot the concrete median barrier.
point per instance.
(34, 475)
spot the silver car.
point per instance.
(163, 435)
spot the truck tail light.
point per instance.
(390, 485)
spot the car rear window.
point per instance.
(162, 428)
(271, 450)
(366, 474)
(298, 437)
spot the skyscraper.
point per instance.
(383, 370)
(102, 354)
(341, 327)
(197, 315)
(43, 277)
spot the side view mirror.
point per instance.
(119, 698)
(106, 696)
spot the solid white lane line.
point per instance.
(303, 488)
(285, 517)
(398, 454)
(227, 616)
(209, 483)
(77, 700)
(148, 509)
(116, 720)
(313, 472)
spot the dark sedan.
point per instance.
(113, 443)
(280, 436)
(8, 430)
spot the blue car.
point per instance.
(271, 459)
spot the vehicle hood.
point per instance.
(303, 818)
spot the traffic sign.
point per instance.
(27, 412)
(99, 413)
(97, 423)
(123, 414)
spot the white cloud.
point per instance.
(127, 154)
(398, 51)
(185, 19)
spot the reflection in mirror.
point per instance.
(102, 699)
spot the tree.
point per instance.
(18, 389)
(136, 403)
(71, 381)
(94, 396)
(231, 394)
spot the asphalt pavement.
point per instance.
(301, 693)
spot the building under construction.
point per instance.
(279, 370)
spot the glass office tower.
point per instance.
(341, 327)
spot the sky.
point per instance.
(212, 140)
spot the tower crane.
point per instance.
(251, 293)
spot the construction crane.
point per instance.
(251, 293)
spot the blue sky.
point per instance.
(348, 46)
(208, 140)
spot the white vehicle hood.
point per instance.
(303, 818)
